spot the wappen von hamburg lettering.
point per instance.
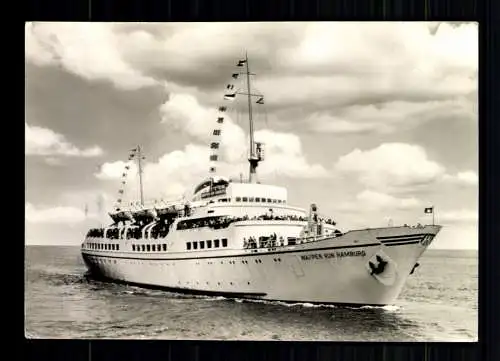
(338, 254)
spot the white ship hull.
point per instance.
(332, 270)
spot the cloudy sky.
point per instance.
(371, 121)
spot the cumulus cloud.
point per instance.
(43, 141)
(467, 178)
(60, 214)
(89, 50)
(391, 165)
(115, 170)
(284, 156)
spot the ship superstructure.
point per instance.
(241, 238)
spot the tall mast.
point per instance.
(139, 163)
(252, 158)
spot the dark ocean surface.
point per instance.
(439, 303)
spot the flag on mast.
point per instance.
(430, 210)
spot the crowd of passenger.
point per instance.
(212, 222)
(134, 231)
(225, 221)
(96, 232)
(161, 229)
(264, 242)
(272, 241)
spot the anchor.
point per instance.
(379, 268)
(414, 267)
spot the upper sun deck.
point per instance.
(218, 188)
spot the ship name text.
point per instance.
(328, 255)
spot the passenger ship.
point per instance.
(242, 239)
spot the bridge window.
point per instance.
(238, 199)
(188, 245)
(164, 247)
(209, 243)
(224, 242)
(250, 199)
(245, 199)
(143, 247)
(195, 245)
(216, 243)
(133, 247)
(202, 244)
(257, 199)
(148, 248)
(274, 201)
(269, 200)
(117, 247)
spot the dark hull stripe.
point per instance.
(236, 255)
(401, 243)
(403, 236)
(402, 239)
(230, 295)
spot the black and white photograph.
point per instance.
(274, 181)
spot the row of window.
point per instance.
(103, 246)
(207, 244)
(149, 247)
(259, 200)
